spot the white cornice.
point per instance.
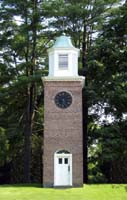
(69, 78)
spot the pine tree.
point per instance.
(22, 49)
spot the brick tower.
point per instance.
(63, 140)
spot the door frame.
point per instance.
(62, 155)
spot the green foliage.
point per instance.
(36, 164)
(21, 86)
(108, 154)
(4, 146)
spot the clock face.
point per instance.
(63, 99)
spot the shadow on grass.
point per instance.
(114, 186)
(117, 186)
(21, 185)
(125, 188)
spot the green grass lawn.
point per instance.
(88, 192)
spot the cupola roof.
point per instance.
(63, 41)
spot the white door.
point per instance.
(63, 170)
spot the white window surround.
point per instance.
(63, 61)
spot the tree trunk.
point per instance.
(31, 95)
(27, 136)
(85, 109)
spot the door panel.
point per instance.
(62, 171)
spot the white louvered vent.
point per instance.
(63, 61)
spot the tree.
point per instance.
(110, 138)
(21, 61)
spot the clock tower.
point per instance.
(63, 136)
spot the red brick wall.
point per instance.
(62, 130)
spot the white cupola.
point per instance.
(63, 58)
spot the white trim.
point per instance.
(64, 78)
(63, 48)
(76, 78)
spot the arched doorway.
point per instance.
(62, 168)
